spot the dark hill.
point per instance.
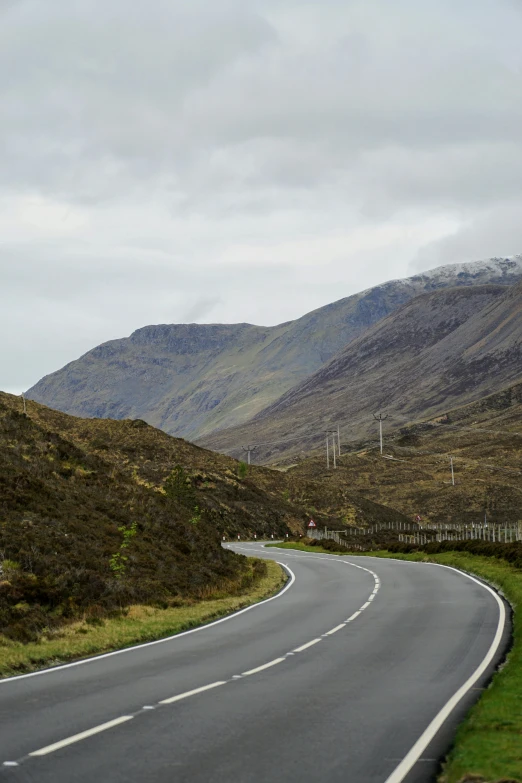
(68, 492)
(71, 490)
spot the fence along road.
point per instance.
(414, 533)
(340, 678)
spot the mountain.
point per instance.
(192, 380)
(440, 350)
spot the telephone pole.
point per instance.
(452, 472)
(334, 448)
(249, 450)
(327, 451)
(380, 418)
(339, 439)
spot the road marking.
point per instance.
(158, 641)
(262, 668)
(306, 646)
(371, 597)
(334, 630)
(353, 616)
(10, 764)
(186, 695)
(415, 754)
(364, 606)
(81, 736)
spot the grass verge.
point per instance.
(488, 743)
(306, 548)
(139, 624)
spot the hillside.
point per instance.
(72, 491)
(485, 441)
(440, 350)
(192, 380)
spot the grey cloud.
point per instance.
(495, 232)
(200, 309)
(243, 160)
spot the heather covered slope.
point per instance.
(85, 527)
(191, 380)
(485, 440)
(438, 351)
(73, 491)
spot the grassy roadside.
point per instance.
(301, 547)
(140, 624)
(488, 743)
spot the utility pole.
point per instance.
(380, 418)
(327, 451)
(339, 439)
(23, 400)
(249, 450)
(334, 448)
(452, 472)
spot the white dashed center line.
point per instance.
(185, 695)
(262, 668)
(83, 735)
(306, 646)
(334, 630)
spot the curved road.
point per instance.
(335, 679)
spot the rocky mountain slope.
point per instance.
(191, 380)
(440, 350)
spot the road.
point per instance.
(335, 679)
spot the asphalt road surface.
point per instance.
(351, 674)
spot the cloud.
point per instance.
(200, 309)
(495, 232)
(243, 160)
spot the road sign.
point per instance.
(312, 523)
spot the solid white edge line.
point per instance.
(186, 695)
(306, 646)
(81, 736)
(262, 668)
(334, 630)
(157, 641)
(431, 731)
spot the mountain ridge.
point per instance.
(442, 349)
(192, 380)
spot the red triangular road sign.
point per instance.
(312, 523)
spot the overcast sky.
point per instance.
(243, 160)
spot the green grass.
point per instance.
(489, 741)
(141, 624)
(305, 548)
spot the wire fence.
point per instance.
(413, 533)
